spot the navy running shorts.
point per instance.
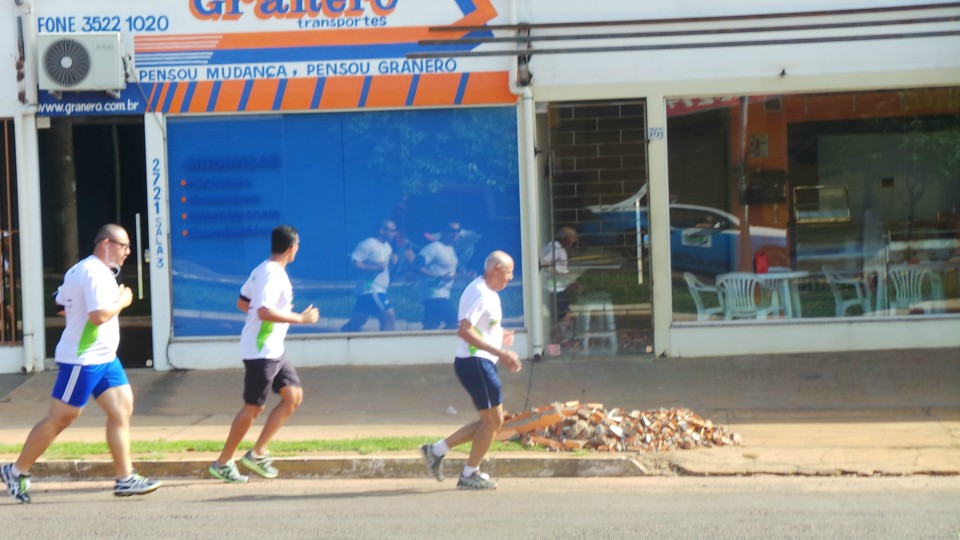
(373, 304)
(479, 377)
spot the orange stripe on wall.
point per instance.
(201, 96)
(437, 89)
(488, 87)
(178, 96)
(153, 92)
(341, 92)
(262, 95)
(389, 90)
(228, 100)
(298, 94)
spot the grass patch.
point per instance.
(160, 449)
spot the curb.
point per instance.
(373, 467)
(364, 467)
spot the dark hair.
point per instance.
(282, 238)
(107, 232)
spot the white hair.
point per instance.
(497, 258)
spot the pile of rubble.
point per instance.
(574, 426)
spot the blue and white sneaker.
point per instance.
(434, 462)
(18, 485)
(477, 481)
(135, 485)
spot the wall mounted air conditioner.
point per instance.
(80, 62)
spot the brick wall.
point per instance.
(598, 153)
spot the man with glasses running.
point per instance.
(88, 365)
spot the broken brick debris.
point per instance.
(572, 425)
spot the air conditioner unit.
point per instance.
(80, 62)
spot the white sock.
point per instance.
(257, 456)
(468, 471)
(15, 470)
(440, 448)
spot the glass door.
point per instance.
(594, 271)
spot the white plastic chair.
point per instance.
(841, 283)
(746, 296)
(596, 323)
(697, 288)
(908, 285)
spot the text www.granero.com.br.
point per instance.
(118, 106)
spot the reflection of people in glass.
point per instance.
(437, 263)
(373, 258)
(464, 244)
(402, 245)
(554, 257)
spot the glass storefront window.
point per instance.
(347, 182)
(815, 205)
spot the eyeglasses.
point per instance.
(121, 244)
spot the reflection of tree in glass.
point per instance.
(429, 150)
(931, 152)
(923, 151)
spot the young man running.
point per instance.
(267, 299)
(480, 347)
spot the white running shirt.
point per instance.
(268, 286)
(373, 251)
(480, 305)
(555, 255)
(89, 286)
(440, 260)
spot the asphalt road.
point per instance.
(757, 507)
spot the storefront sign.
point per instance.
(204, 56)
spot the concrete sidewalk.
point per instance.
(873, 413)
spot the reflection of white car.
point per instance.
(702, 239)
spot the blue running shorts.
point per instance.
(479, 377)
(373, 304)
(75, 384)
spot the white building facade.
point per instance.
(794, 167)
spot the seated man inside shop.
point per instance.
(561, 283)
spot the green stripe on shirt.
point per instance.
(266, 328)
(87, 338)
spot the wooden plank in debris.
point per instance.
(574, 444)
(533, 421)
(549, 443)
